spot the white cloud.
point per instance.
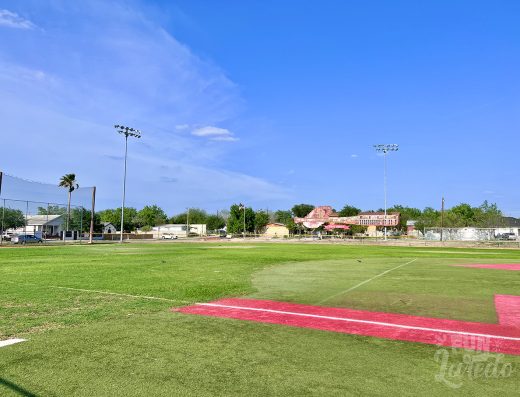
(215, 134)
(13, 20)
(354, 156)
(211, 131)
(78, 102)
(224, 139)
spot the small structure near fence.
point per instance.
(471, 234)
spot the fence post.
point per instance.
(3, 216)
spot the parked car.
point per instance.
(26, 239)
(6, 236)
(169, 236)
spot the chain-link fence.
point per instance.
(29, 215)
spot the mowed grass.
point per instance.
(98, 320)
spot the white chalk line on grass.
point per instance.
(364, 282)
(119, 294)
(353, 320)
(9, 342)
(104, 292)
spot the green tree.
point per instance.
(302, 210)
(196, 216)
(80, 220)
(349, 210)
(52, 210)
(285, 217)
(461, 215)
(430, 217)
(489, 215)
(261, 221)
(114, 217)
(215, 222)
(11, 218)
(68, 181)
(235, 223)
(151, 215)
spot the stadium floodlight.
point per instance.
(126, 131)
(243, 207)
(385, 148)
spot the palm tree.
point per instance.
(68, 181)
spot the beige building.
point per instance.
(276, 230)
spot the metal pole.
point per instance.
(442, 218)
(124, 192)
(244, 222)
(92, 214)
(3, 216)
(385, 148)
(384, 220)
(25, 223)
(187, 222)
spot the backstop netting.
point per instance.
(43, 210)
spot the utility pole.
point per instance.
(187, 222)
(442, 219)
(126, 131)
(385, 148)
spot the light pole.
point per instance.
(385, 148)
(126, 131)
(243, 207)
(187, 222)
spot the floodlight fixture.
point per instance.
(126, 131)
(385, 148)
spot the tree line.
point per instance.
(462, 215)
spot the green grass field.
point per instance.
(98, 323)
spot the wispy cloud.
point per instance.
(76, 94)
(354, 156)
(215, 134)
(13, 20)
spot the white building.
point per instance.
(179, 230)
(41, 225)
(109, 228)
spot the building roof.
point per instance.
(378, 213)
(509, 221)
(275, 224)
(37, 220)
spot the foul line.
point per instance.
(364, 282)
(103, 292)
(352, 320)
(10, 342)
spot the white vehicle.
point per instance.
(169, 236)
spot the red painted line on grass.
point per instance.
(500, 266)
(508, 310)
(462, 334)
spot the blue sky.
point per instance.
(270, 103)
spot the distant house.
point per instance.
(276, 230)
(109, 228)
(179, 230)
(42, 225)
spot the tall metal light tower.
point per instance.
(126, 131)
(243, 207)
(385, 148)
